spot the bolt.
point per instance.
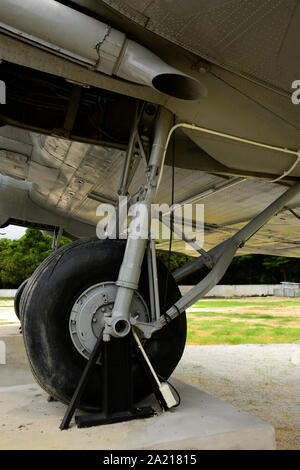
(103, 309)
(94, 320)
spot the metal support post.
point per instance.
(155, 279)
(150, 281)
(118, 324)
(58, 231)
(82, 384)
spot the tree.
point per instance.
(176, 259)
(276, 264)
(245, 269)
(20, 258)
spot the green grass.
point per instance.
(240, 334)
(204, 313)
(206, 327)
(243, 316)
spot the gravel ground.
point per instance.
(261, 379)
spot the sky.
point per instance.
(12, 231)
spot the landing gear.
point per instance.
(91, 292)
(58, 231)
(17, 298)
(95, 293)
(64, 307)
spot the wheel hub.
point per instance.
(89, 312)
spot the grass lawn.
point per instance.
(244, 321)
(233, 321)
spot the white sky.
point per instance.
(12, 231)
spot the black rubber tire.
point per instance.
(17, 299)
(46, 304)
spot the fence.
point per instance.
(285, 289)
(250, 290)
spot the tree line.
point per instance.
(19, 258)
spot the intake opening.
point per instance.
(179, 86)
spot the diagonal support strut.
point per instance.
(223, 254)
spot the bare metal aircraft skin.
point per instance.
(189, 102)
(63, 144)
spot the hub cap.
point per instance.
(90, 310)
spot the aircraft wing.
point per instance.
(67, 122)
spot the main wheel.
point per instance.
(64, 305)
(17, 299)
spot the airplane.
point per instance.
(157, 101)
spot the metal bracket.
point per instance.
(145, 329)
(58, 231)
(135, 153)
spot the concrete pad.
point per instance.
(7, 315)
(202, 422)
(12, 339)
(28, 421)
(14, 368)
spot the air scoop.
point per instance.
(140, 65)
(64, 31)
